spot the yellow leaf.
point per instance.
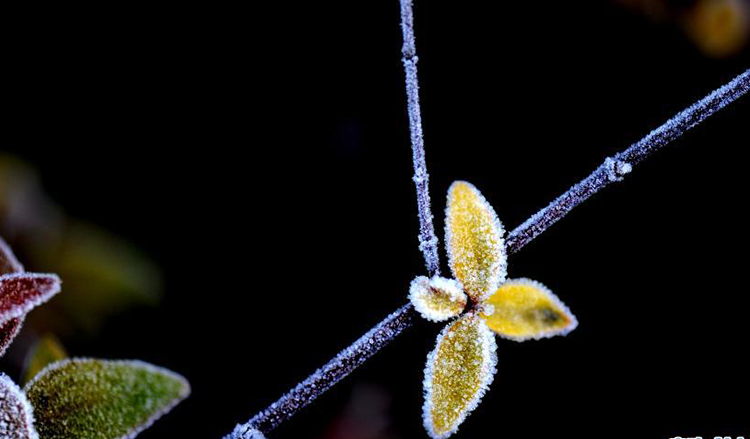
(437, 299)
(46, 350)
(522, 309)
(474, 238)
(458, 372)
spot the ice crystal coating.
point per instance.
(45, 351)
(437, 299)
(16, 415)
(8, 332)
(102, 399)
(21, 292)
(474, 239)
(616, 169)
(332, 372)
(524, 309)
(458, 373)
(10, 328)
(245, 432)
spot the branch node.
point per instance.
(616, 169)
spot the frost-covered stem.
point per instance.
(614, 168)
(325, 377)
(428, 241)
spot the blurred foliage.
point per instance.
(45, 351)
(103, 274)
(718, 28)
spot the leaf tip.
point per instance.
(437, 299)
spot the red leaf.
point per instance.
(9, 264)
(8, 332)
(22, 292)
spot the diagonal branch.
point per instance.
(613, 169)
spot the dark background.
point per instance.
(261, 156)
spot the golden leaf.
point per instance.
(437, 299)
(458, 372)
(522, 309)
(45, 351)
(474, 239)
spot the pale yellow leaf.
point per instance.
(474, 239)
(437, 299)
(522, 309)
(458, 372)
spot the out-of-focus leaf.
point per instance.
(474, 240)
(16, 416)
(103, 275)
(45, 351)
(22, 292)
(437, 299)
(459, 371)
(720, 28)
(522, 309)
(102, 399)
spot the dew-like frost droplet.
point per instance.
(45, 351)
(16, 416)
(437, 299)
(524, 309)
(21, 292)
(102, 399)
(458, 372)
(474, 239)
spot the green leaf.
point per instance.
(16, 419)
(102, 399)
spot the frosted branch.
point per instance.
(325, 377)
(615, 168)
(428, 241)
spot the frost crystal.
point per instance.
(94, 399)
(458, 373)
(245, 432)
(616, 169)
(437, 299)
(474, 239)
(16, 415)
(526, 309)
(21, 292)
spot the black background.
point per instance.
(261, 156)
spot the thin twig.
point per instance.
(428, 241)
(328, 375)
(613, 169)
